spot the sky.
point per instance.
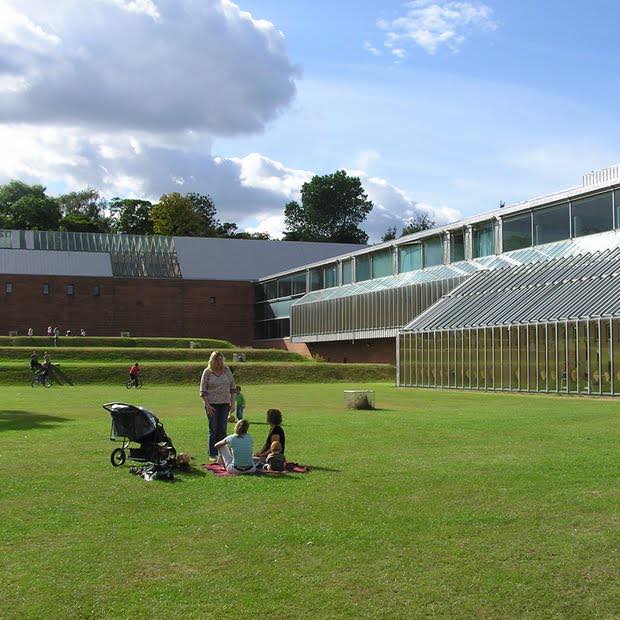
(441, 107)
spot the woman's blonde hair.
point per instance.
(212, 359)
(241, 427)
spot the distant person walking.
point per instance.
(218, 391)
(50, 331)
(30, 332)
(56, 335)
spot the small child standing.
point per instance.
(275, 458)
(240, 398)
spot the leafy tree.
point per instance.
(332, 207)
(27, 207)
(84, 211)
(418, 223)
(205, 207)
(132, 216)
(390, 234)
(175, 215)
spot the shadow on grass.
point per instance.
(27, 420)
(317, 468)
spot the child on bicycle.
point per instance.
(134, 373)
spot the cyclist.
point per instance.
(134, 374)
(34, 362)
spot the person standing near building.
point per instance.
(218, 391)
(56, 335)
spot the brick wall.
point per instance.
(141, 306)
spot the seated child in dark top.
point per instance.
(275, 458)
(276, 433)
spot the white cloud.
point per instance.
(365, 158)
(431, 24)
(369, 47)
(134, 64)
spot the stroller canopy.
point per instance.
(131, 421)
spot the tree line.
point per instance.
(331, 209)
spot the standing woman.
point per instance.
(218, 391)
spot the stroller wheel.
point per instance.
(118, 457)
(47, 382)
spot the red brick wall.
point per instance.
(382, 351)
(141, 306)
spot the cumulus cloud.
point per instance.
(156, 65)
(430, 24)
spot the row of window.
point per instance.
(576, 218)
(46, 289)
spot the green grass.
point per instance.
(440, 504)
(157, 372)
(90, 341)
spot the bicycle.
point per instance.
(135, 383)
(41, 380)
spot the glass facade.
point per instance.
(571, 357)
(330, 276)
(316, 279)
(457, 246)
(433, 252)
(517, 232)
(551, 224)
(483, 240)
(592, 215)
(409, 257)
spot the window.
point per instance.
(298, 284)
(617, 206)
(592, 215)
(70, 289)
(212, 300)
(551, 224)
(284, 287)
(316, 279)
(330, 276)
(457, 246)
(8, 288)
(484, 241)
(409, 257)
(347, 271)
(96, 290)
(382, 264)
(433, 252)
(46, 289)
(362, 268)
(517, 232)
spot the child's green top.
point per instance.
(240, 399)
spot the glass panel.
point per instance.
(552, 371)
(513, 335)
(617, 207)
(488, 369)
(284, 287)
(362, 268)
(457, 246)
(583, 374)
(541, 345)
(481, 367)
(467, 358)
(316, 279)
(616, 356)
(522, 340)
(5, 239)
(594, 370)
(347, 272)
(409, 257)
(571, 372)
(532, 359)
(605, 357)
(551, 224)
(458, 359)
(484, 240)
(498, 355)
(592, 215)
(517, 232)
(433, 252)
(298, 284)
(330, 276)
(561, 345)
(505, 366)
(382, 264)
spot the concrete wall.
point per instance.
(141, 306)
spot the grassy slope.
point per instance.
(441, 504)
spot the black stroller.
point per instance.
(138, 425)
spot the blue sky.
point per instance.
(442, 106)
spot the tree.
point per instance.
(132, 216)
(205, 208)
(84, 211)
(27, 207)
(418, 223)
(332, 207)
(175, 215)
(390, 234)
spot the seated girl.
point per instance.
(276, 433)
(235, 451)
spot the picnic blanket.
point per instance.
(220, 470)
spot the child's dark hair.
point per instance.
(274, 416)
(241, 428)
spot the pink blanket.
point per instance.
(219, 470)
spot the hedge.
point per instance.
(88, 341)
(189, 373)
(133, 354)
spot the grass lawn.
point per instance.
(440, 504)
